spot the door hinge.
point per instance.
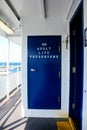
(73, 105)
(73, 70)
(74, 32)
(59, 49)
(58, 98)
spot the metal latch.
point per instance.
(33, 70)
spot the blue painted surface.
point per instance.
(44, 64)
(76, 60)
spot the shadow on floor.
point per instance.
(19, 123)
(33, 124)
(9, 104)
(15, 124)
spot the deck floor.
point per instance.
(13, 120)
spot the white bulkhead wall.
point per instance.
(84, 119)
(35, 24)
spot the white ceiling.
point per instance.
(18, 4)
(52, 9)
(57, 7)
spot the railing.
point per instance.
(14, 79)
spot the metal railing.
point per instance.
(9, 81)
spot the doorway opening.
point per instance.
(76, 67)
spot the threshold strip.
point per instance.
(66, 125)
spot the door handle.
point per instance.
(59, 74)
(33, 70)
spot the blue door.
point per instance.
(44, 72)
(76, 67)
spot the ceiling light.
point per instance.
(5, 27)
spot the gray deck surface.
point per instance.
(13, 120)
(9, 104)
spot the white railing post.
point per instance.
(17, 77)
(8, 60)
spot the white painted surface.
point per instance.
(2, 33)
(13, 83)
(84, 122)
(85, 13)
(74, 5)
(3, 82)
(35, 25)
(7, 11)
(8, 59)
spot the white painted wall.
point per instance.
(36, 25)
(2, 33)
(85, 13)
(84, 123)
